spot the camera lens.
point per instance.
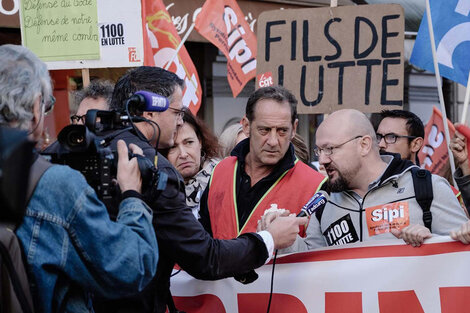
(75, 138)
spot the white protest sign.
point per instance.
(120, 35)
(382, 276)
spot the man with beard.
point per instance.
(372, 196)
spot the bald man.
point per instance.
(372, 196)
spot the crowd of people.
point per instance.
(225, 204)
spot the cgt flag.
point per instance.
(222, 22)
(451, 24)
(160, 42)
(434, 155)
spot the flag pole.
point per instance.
(463, 119)
(167, 66)
(85, 77)
(439, 90)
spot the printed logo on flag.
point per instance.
(133, 57)
(265, 80)
(223, 23)
(451, 25)
(160, 46)
(434, 156)
(382, 218)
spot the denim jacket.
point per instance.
(73, 249)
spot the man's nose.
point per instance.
(272, 137)
(323, 158)
(179, 121)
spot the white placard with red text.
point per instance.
(120, 36)
(385, 277)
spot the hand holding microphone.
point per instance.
(316, 202)
(284, 227)
(284, 230)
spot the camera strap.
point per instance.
(40, 165)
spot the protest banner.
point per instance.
(60, 30)
(335, 58)
(117, 33)
(223, 23)
(379, 276)
(434, 154)
(161, 42)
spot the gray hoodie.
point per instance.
(390, 200)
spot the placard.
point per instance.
(335, 58)
(59, 30)
(119, 35)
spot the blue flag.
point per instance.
(451, 24)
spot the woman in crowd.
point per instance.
(230, 137)
(195, 154)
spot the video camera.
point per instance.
(86, 148)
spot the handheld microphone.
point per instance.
(316, 202)
(143, 100)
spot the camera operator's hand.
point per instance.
(128, 173)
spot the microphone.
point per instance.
(143, 100)
(316, 202)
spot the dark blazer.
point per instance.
(182, 240)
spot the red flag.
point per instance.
(160, 42)
(223, 23)
(434, 155)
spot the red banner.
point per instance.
(434, 155)
(375, 276)
(223, 23)
(160, 42)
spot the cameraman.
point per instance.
(71, 247)
(96, 96)
(181, 238)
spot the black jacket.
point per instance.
(182, 240)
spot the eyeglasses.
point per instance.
(78, 118)
(391, 138)
(49, 105)
(329, 150)
(179, 113)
